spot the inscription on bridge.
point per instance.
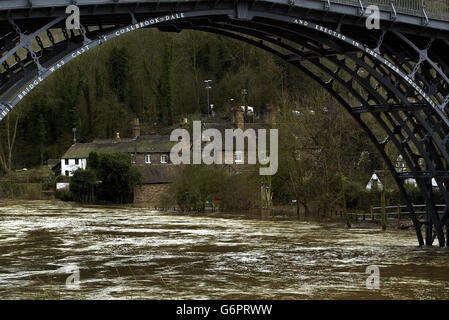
(372, 53)
(171, 17)
(87, 47)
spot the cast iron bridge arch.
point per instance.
(398, 74)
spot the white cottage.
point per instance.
(70, 165)
(374, 183)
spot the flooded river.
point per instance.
(130, 253)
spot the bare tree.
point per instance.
(6, 147)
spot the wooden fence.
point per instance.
(392, 212)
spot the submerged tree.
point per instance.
(7, 145)
(118, 177)
(82, 185)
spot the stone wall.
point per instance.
(150, 194)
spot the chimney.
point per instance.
(117, 138)
(136, 128)
(238, 117)
(184, 123)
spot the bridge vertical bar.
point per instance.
(428, 218)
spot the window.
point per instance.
(148, 158)
(77, 161)
(66, 172)
(238, 157)
(133, 158)
(66, 162)
(164, 158)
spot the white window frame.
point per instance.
(164, 156)
(238, 157)
(148, 159)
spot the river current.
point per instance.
(56, 250)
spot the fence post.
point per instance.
(399, 212)
(384, 212)
(372, 213)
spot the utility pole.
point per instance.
(244, 94)
(208, 87)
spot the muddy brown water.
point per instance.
(131, 253)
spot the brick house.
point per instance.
(144, 150)
(150, 154)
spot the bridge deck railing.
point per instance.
(435, 9)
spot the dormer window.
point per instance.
(164, 158)
(148, 159)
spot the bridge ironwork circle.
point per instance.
(398, 74)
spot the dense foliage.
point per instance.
(196, 187)
(82, 185)
(112, 178)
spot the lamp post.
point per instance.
(244, 94)
(208, 87)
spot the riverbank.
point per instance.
(32, 184)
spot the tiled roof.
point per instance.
(142, 144)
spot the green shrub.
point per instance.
(82, 185)
(49, 183)
(65, 195)
(118, 177)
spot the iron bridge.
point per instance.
(399, 73)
